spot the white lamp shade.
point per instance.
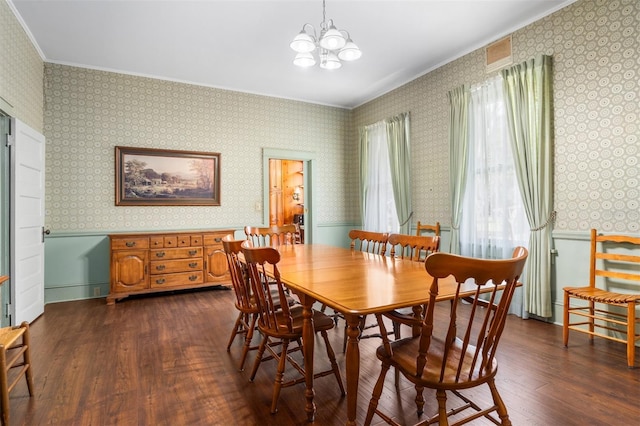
(305, 60)
(350, 52)
(332, 39)
(303, 42)
(330, 61)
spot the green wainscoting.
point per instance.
(76, 266)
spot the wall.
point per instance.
(21, 71)
(597, 110)
(89, 112)
(594, 44)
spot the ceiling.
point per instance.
(243, 45)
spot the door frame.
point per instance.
(308, 160)
(5, 213)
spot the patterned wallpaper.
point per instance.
(21, 71)
(595, 45)
(89, 112)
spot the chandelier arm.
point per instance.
(312, 29)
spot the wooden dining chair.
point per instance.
(435, 229)
(272, 236)
(461, 353)
(601, 311)
(245, 303)
(15, 362)
(415, 248)
(367, 241)
(280, 322)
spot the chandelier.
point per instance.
(332, 47)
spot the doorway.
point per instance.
(286, 192)
(288, 195)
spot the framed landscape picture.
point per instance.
(161, 177)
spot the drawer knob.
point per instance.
(218, 240)
(130, 243)
(193, 265)
(160, 267)
(160, 281)
(193, 277)
(193, 252)
(160, 254)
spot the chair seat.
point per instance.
(602, 296)
(404, 358)
(9, 336)
(321, 322)
(404, 316)
(15, 354)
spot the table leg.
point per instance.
(308, 342)
(352, 366)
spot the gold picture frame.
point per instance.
(162, 177)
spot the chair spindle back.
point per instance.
(469, 343)
(413, 247)
(367, 241)
(272, 236)
(262, 263)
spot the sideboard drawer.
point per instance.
(171, 266)
(129, 243)
(214, 239)
(178, 253)
(177, 280)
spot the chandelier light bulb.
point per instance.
(330, 61)
(304, 60)
(303, 42)
(350, 52)
(332, 39)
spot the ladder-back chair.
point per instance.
(461, 353)
(435, 229)
(601, 310)
(15, 362)
(280, 322)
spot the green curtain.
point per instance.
(529, 94)
(363, 170)
(400, 165)
(458, 158)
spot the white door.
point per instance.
(27, 223)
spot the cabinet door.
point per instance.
(217, 268)
(129, 270)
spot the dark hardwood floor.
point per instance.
(162, 360)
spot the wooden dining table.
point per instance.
(355, 284)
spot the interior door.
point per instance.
(27, 222)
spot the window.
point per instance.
(380, 214)
(493, 216)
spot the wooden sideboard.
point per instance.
(150, 262)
